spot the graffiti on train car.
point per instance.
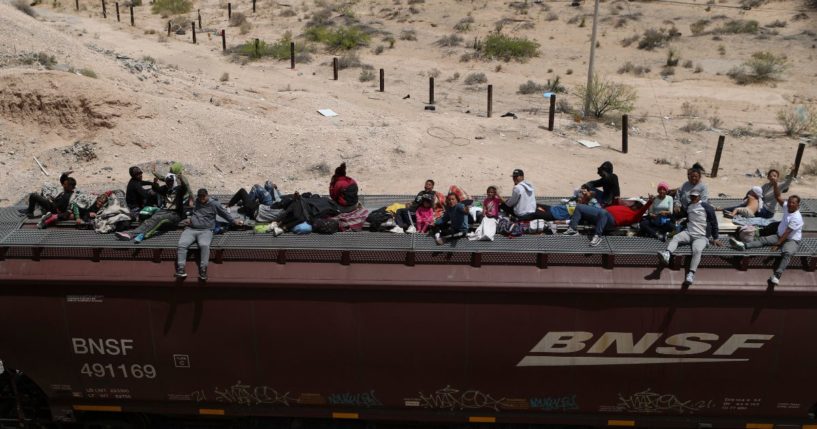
(648, 401)
(554, 403)
(245, 394)
(359, 399)
(455, 399)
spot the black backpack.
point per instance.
(325, 226)
(377, 218)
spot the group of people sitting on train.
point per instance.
(682, 213)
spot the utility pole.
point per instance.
(592, 58)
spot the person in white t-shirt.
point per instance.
(787, 239)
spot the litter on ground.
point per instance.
(588, 143)
(327, 112)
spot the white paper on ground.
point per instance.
(588, 143)
(327, 112)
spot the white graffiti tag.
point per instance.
(245, 394)
(648, 401)
(452, 399)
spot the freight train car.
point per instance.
(388, 327)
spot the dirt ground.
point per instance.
(152, 98)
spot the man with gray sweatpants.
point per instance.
(702, 228)
(200, 230)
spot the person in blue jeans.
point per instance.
(454, 222)
(599, 217)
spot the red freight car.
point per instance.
(391, 327)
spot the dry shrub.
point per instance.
(798, 120)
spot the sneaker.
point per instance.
(138, 239)
(41, 223)
(552, 227)
(595, 241)
(690, 278)
(180, 273)
(737, 244)
(203, 274)
(774, 279)
(570, 231)
(438, 239)
(122, 235)
(664, 255)
(397, 230)
(276, 231)
(26, 213)
(411, 230)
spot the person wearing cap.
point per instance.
(750, 205)
(787, 240)
(522, 202)
(200, 224)
(610, 191)
(136, 196)
(701, 230)
(681, 194)
(658, 222)
(172, 201)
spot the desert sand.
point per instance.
(262, 122)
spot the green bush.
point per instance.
(341, 38)
(279, 50)
(738, 26)
(88, 73)
(763, 66)
(171, 7)
(506, 48)
(608, 96)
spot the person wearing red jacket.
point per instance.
(605, 219)
(343, 189)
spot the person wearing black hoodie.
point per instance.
(136, 196)
(610, 192)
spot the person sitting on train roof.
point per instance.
(177, 169)
(249, 202)
(405, 218)
(610, 192)
(454, 222)
(771, 190)
(491, 204)
(522, 202)
(343, 189)
(60, 205)
(681, 194)
(701, 230)
(172, 195)
(658, 222)
(85, 215)
(136, 196)
(583, 195)
(425, 214)
(605, 219)
(750, 205)
(787, 239)
(50, 198)
(200, 225)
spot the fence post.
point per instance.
(552, 112)
(431, 90)
(117, 12)
(229, 11)
(256, 47)
(490, 100)
(77, 4)
(104, 10)
(223, 41)
(797, 159)
(131, 16)
(199, 14)
(382, 80)
(168, 28)
(292, 55)
(193, 26)
(335, 68)
(717, 162)
(624, 133)
(253, 6)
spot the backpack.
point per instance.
(325, 226)
(353, 220)
(267, 214)
(377, 218)
(302, 228)
(506, 227)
